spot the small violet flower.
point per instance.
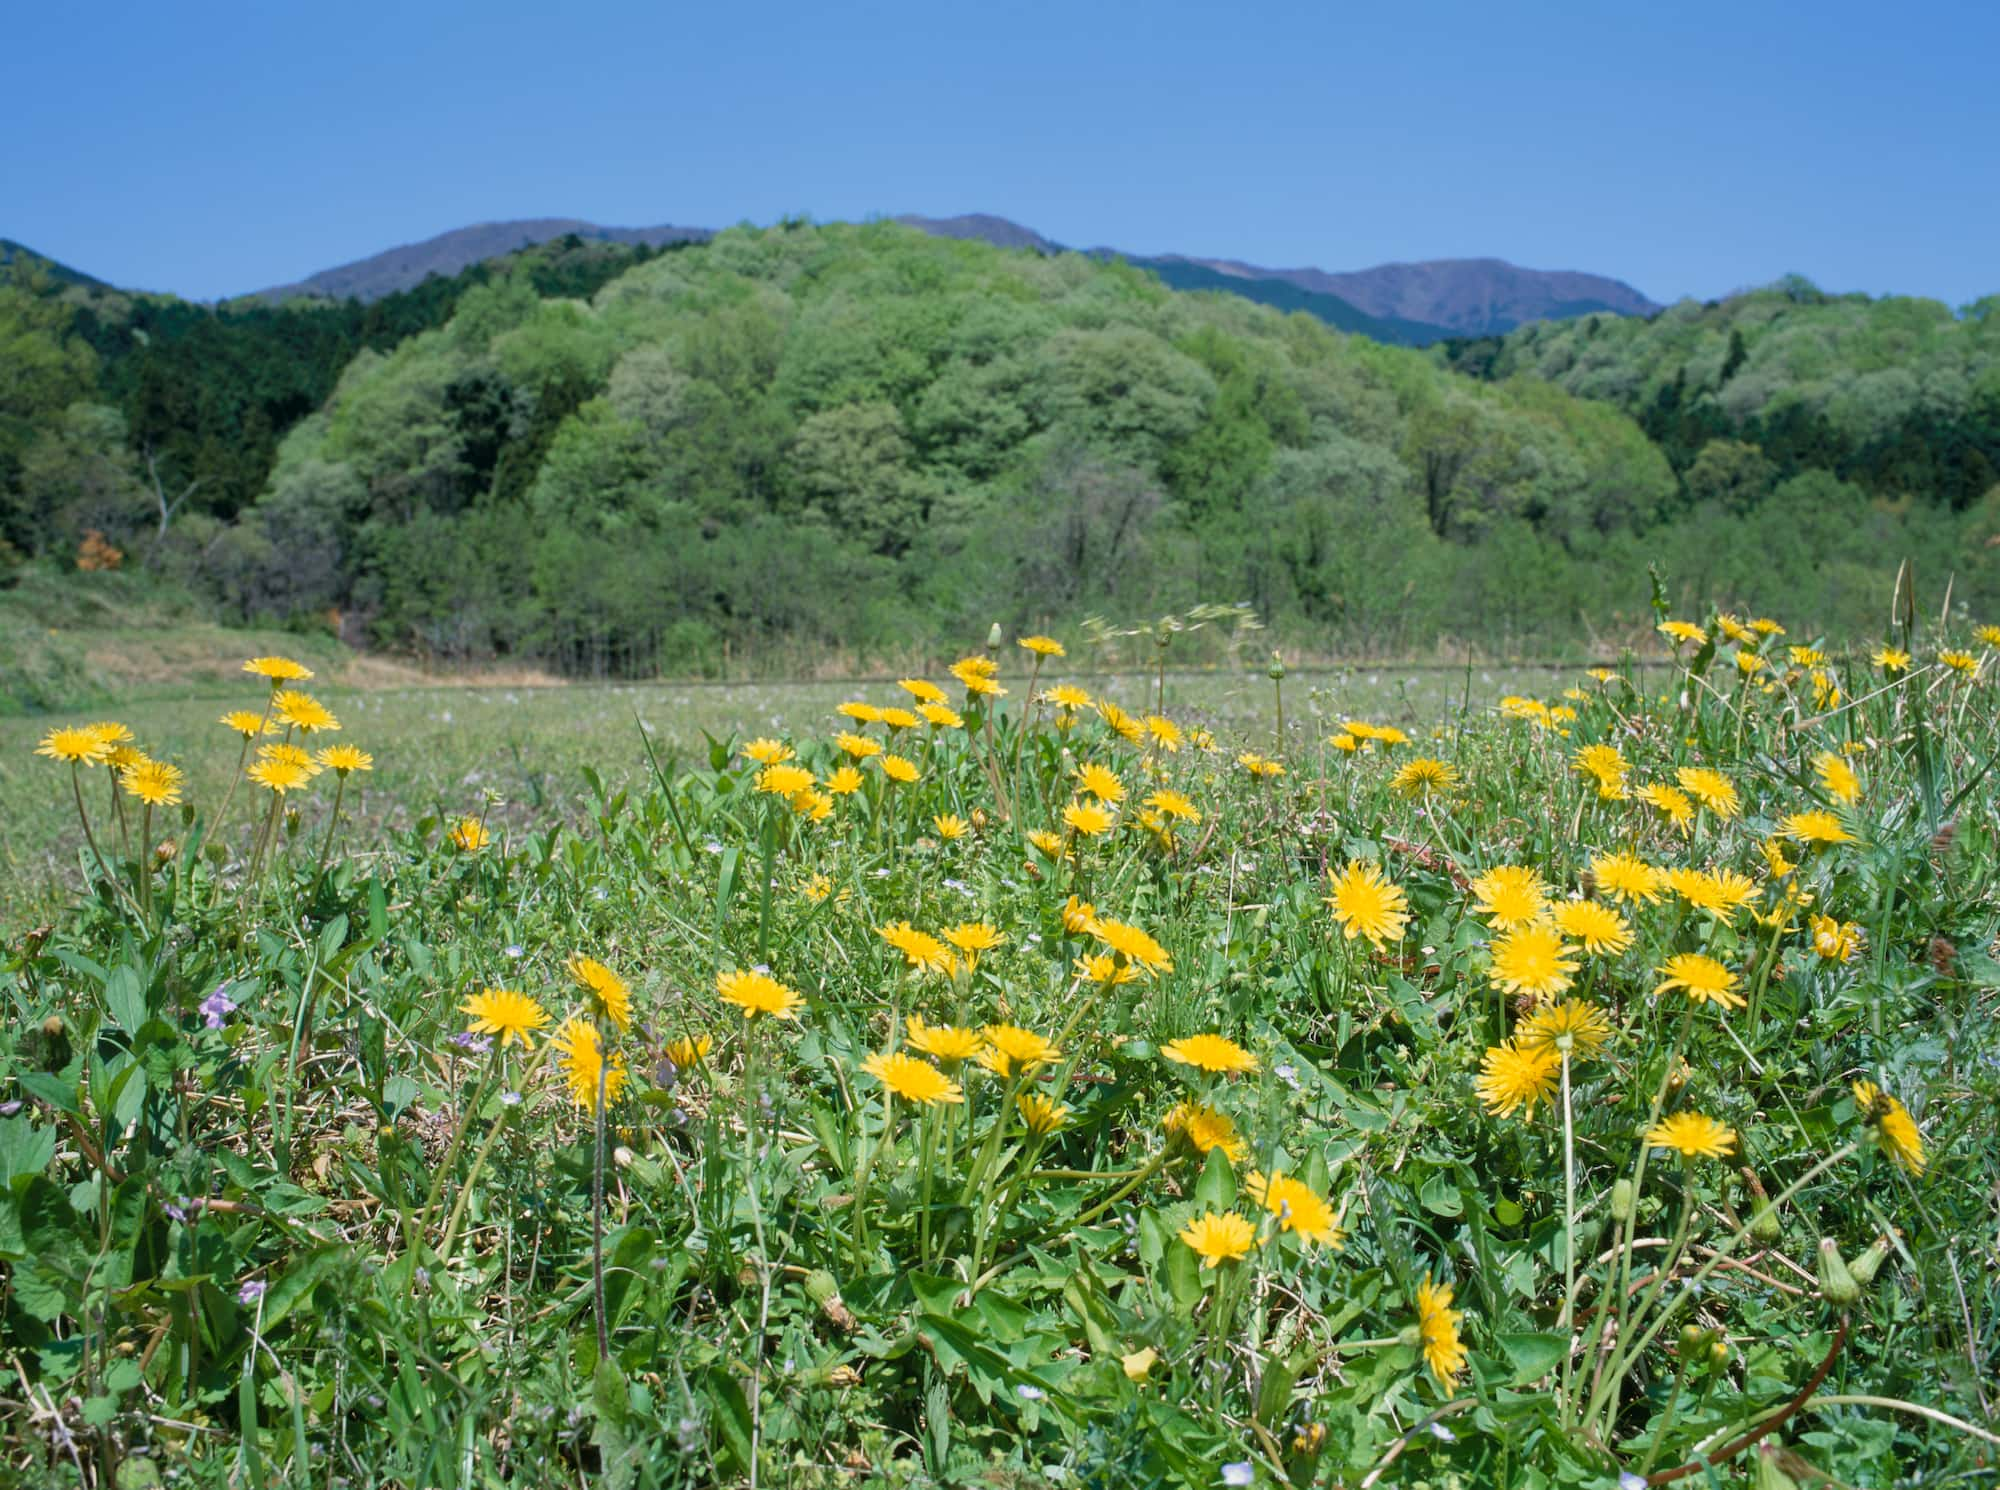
(217, 1007)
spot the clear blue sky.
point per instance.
(1685, 147)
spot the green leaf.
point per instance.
(1441, 1197)
(1216, 1189)
(125, 998)
(25, 1148)
(731, 1417)
(1533, 1355)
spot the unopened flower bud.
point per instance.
(1836, 1283)
(1764, 1224)
(1621, 1201)
(1770, 1471)
(995, 635)
(1277, 668)
(1870, 1262)
(52, 1026)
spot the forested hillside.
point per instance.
(849, 440)
(1899, 395)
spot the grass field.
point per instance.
(1596, 1090)
(446, 748)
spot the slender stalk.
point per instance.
(326, 843)
(145, 864)
(1566, 1324)
(76, 785)
(597, 1195)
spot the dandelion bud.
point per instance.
(1864, 1267)
(1588, 881)
(1277, 668)
(1764, 1223)
(164, 851)
(1621, 1201)
(292, 824)
(52, 1026)
(216, 853)
(1836, 1283)
(1718, 1354)
(187, 814)
(622, 1157)
(994, 636)
(824, 1291)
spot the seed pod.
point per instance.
(1621, 1201)
(1864, 1267)
(1764, 1224)
(1836, 1283)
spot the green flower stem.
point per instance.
(1666, 1418)
(76, 785)
(1631, 1350)
(458, 1138)
(1567, 1323)
(326, 843)
(479, 1163)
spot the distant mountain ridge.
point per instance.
(1412, 304)
(409, 265)
(12, 253)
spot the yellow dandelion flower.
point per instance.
(1513, 1077)
(1300, 1209)
(1259, 766)
(948, 1043)
(1692, 1136)
(1717, 891)
(155, 783)
(1437, 1328)
(896, 768)
(1206, 1129)
(302, 712)
(913, 1080)
(248, 723)
(278, 669)
(514, 1017)
(1103, 969)
(1710, 788)
(1531, 959)
(1596, 925)
(1040, 1114)
(1122, 724)
(341, 759)
(469, 835)
(79, 747)
(1164, 732)
(1626, 878)
(1088, 818)
(1132, 944)
(1010, 1048)
(972, 938)
(1963, 663)
(768, 752)
(1067, 697)
(1702, 979)
(1101, 783)
(1894, 1128)
(859, 712)
(607, 990)
(1890, 659)
(1583, 1025)
(1174, 805)
(1211, 1053)
(1817, 827)
(1043, 646)
(1835, 940)
(688, 1051)
(1048, 843)
(1680, 632)
(950, 826)
(1422, 775)
(920, 949)
(922, 690)
(1838, 777)
(1510, 895)
(585, 1071)
(858, 746)
(757, 993)
(844, 782)
(784, 780)
(279, 776)
(941, 717)
(1366, 904)
(1217, 1237)
(1676, 804)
